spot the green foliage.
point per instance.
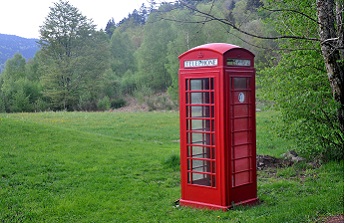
(118, 103)
(2, 103)
(14, 70)
(128, 83)
(75, 57)
(299, 85)
(110, 27)
(110, 84)
(19, 86)
(151, 55)
(122, 53)
(268, 139)
(302, 94)
(104, 104)
(93, 61)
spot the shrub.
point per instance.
(104, 103)
(118, 103)
(303, 96)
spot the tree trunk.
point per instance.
(331, 37)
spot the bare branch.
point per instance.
(275, 49)
(292, 10)
(224, 21)
(331, 42)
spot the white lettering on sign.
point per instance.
(238, 62)
(201, 63)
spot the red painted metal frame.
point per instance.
(226, 173)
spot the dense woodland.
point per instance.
(80, 68)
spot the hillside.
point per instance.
(10, 45)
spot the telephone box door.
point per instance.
(242, 136)
(198, 157)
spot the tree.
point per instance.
(330, 35)
(13, 72)
(143, 13)
(331, 32)
(93, 61)
(152, 54)
(122, 50)
(314, 118)
(192, 30)
(73, 55)
(304, 32)
(253, 5)
(110, 27)
(19, 86)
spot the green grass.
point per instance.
(121, 167)
(267, 140)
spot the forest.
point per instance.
(298, 47)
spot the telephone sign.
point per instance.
(200, 63)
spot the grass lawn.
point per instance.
(118, 167)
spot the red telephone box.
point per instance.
(217, 127)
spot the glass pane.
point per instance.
(196, 84)
(197, 125)
(196, 98)
(200, 111)
(201, 166)
(197, 151)
(200, 152)
(203, 179)
(199, 84)
(201, 125)
(199, 176)
(200, 98)
(240, 82)
(199, 138)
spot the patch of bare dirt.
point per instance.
(333, 219)
(288, 159)
(265, 161)
(132, 105)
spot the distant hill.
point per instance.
(10, 45)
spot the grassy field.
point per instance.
(120, 167)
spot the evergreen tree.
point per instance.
(110, 27)
(143, 14)
(253, 5)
